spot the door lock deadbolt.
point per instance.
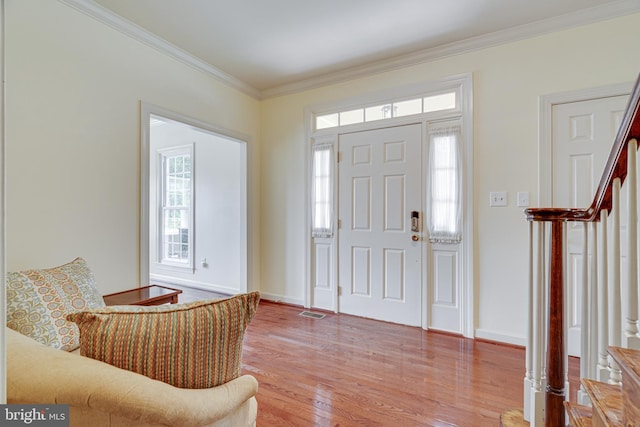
(415, 221)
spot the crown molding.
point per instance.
(562, 22)
(104, 15)
(538, 28)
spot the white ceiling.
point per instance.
(270, 45)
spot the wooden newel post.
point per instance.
(555, 392)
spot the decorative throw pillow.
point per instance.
(39, 300)
(191, 345)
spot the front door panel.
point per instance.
(379, 185)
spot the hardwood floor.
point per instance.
(349, 371)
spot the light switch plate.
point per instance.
(498, 198)
(523, 198)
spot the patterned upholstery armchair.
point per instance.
(46, 362)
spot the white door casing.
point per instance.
(147, 212)
(582, 135)
(379, 265)
(321, 257)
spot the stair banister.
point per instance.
(615, 169)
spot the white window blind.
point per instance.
(322, 191)
(444, 221)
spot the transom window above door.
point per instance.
(389, 110)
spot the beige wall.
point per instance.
(73, 143)
(507, 81)
(74, 88)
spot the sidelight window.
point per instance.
(322, 191)
(445, 185)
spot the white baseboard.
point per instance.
(281, 298)
(166, 280)
(490, 335)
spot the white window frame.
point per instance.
(322, 192)
(340, 117)
(163, 207)
(444, 216)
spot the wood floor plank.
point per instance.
(348, 371)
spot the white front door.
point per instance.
(583, 134)
(379, 265)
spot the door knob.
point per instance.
(415, 238)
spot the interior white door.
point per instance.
(583, 134)
(379, 265)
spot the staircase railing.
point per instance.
(546, 381)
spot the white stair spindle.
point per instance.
(603, 304)
(593, 302)
(565, 327)
(528, 376)
(584, 316)
(537, 400)
(631, 339)
(615, 321)
(544, 303)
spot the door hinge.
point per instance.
(339, 291)
(339, 224)
(339, 156)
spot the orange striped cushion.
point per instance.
(193, 345)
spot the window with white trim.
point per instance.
(444, 187)
(176, 207)
(322, 191)
(406, 107)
